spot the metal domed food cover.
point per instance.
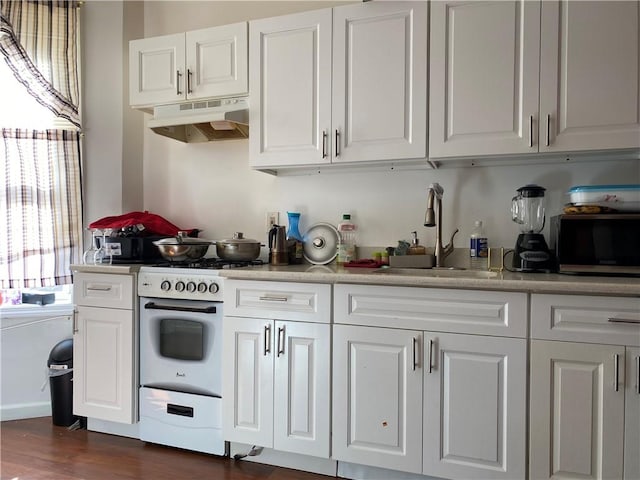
(320, 243)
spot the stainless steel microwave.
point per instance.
(597, 244)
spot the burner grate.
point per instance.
(211, 263)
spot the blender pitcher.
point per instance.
(531, 253)
(527, 208)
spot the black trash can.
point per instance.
(60, 365)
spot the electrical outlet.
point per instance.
(272, 219)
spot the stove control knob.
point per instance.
(202, 287)
(191, 287)
(213, 288)
(165, 286)
(180, 286)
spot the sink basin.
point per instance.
(437, 272)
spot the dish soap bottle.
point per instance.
(478, 247)
(347, 241)
(294, 239)
(416, 248)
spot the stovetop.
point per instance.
(208, 263)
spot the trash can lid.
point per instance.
(62, 353)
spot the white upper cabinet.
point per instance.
(589, 77)
(290, 85)
(527, 77)
(339, 85)
(483, 78)
(188, 66)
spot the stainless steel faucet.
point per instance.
(433, 218)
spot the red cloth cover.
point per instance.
(153, 224)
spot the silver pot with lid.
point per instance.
(238, 248)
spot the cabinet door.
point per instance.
(156, 70)
(379, 81)
(483, 78)
(632, 415)
(104, 382)
(290, 89)
(377, 397)
(247, 381)
(475, 406)
(217, 61)
(302, 388)
(589, 75)
(576, 411)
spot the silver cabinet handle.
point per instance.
(75, 321)
(281, 338)
(546, 142)
(638, 374)
(99, 288)
(324, 144)
(269, 298)
(415, 353)
(267, 339)
(189, 90)
(531, 130)
(616, 367)
(337, 142)
(624, 320)
(178, 75)
(430, 357)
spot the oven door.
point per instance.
(181, 345)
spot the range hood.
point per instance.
(203, 121)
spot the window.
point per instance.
(40, 189)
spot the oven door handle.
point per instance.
(154, 306)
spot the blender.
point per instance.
(531, 253)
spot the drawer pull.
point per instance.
(638, 374)
(415, 352)
(430, 357)
(267, 340)
(624, 320)
(181, 410)
(281, 339)
(616, 368)
(103, 288)
(75, 321)
(269, 298)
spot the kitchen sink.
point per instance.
(437, 272)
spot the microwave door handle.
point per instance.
(155, 306)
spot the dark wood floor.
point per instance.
(34, 449)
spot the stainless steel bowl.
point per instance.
(238, 248)
(180, 249)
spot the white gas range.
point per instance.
(181, 357)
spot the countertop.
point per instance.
(505, 281)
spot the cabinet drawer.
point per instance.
(104, 290)
(606, 320)
(307, 302)
(443, 310)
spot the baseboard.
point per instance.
(113, 428)
(25, 410)
(321, 466)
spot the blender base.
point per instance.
(531, 254)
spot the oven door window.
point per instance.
(182, 339)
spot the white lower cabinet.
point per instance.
(105, 376)
(276, 383)
(377, 397)
(577, 413)
(450, 405)
(474, 406)
(585, 395)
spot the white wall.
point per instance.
(210, 186)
